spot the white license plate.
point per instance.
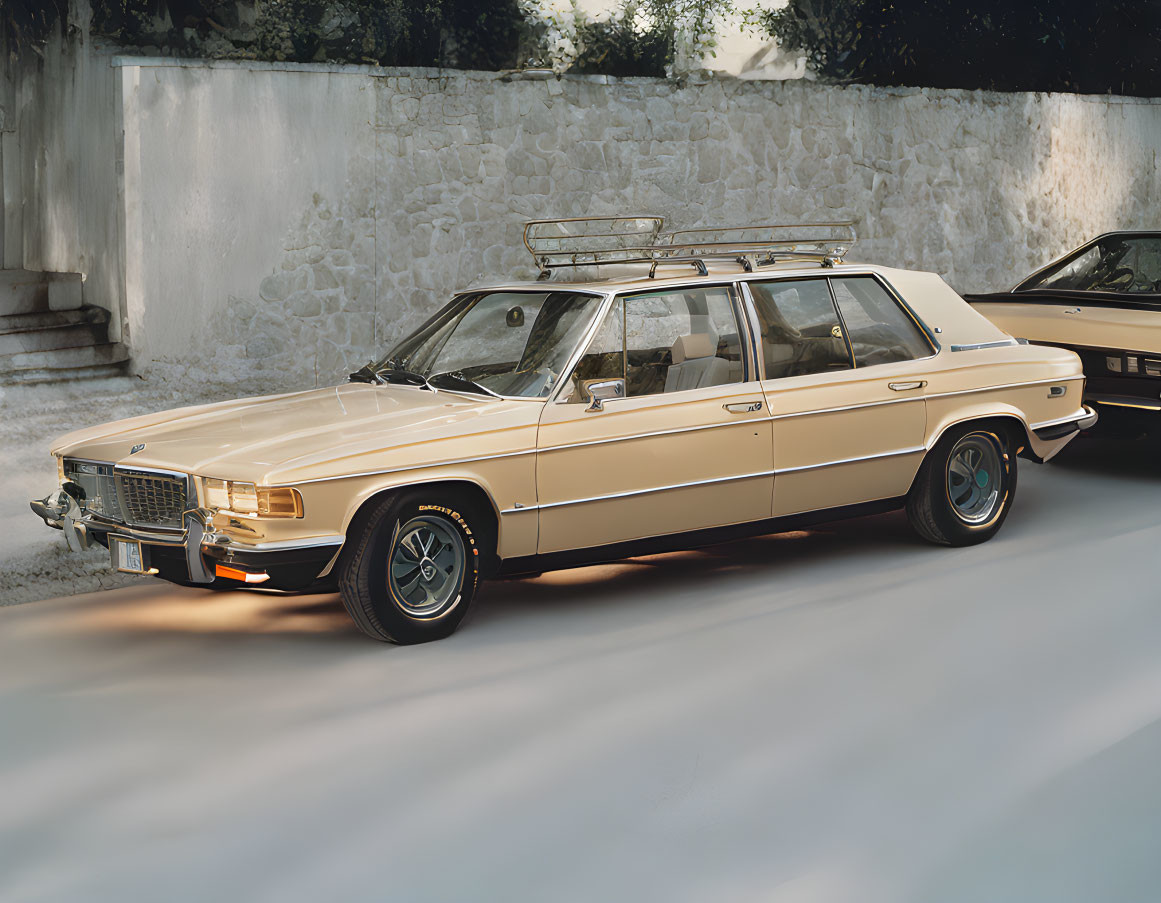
(126, 554)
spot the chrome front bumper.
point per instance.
(203, 548)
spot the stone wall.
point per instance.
(292, 222)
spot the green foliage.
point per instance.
(644, 37)
(615, 48)
(453, 33)
(1063, 45)
(28, 23)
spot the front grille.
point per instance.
(151, 499)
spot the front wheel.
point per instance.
(413, 571)
(965, 486)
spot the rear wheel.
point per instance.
(414, 569)
(965, 486)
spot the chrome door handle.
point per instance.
(905, 387)
(743, 407)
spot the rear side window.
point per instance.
(801, 331)
(879, 330)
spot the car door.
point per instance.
(687, 445)
(844, 366)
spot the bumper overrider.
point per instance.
(194, 554)
(1058, 429)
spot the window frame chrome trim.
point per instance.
(753, 327)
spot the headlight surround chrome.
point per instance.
(248, 500)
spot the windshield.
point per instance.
(509, 343)
(1122, 264)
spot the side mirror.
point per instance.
(603, 390)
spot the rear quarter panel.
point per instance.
(1012, 380)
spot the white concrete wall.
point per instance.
(228, 170)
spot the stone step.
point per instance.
(22, 291)
(85, 362)
(51, 319)
(75, 336)
(28, 291)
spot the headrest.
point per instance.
(691, 347)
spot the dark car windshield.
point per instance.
(505, 342)
(1116, 263)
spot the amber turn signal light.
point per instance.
(222, 570)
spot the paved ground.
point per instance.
(840, 715)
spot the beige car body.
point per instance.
(1077, 324)
(562, 479)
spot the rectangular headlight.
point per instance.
(248, 500)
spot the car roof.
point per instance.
(631, 277)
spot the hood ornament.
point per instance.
(136, 448)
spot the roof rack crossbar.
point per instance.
(590, 241)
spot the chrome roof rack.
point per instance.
(590, 241)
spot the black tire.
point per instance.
(376, 598)
(931, 509)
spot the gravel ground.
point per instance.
(834, 715)
(34, 561)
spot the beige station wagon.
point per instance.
(701, 385)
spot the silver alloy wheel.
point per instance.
(974, 477)
(427, 567)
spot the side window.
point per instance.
(879, 330)
(801, 332)
(681, 339)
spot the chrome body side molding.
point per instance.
(977, 346)
(520, 509)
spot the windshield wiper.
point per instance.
(457, 382)
(398, 375)
(365, 374)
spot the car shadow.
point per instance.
(709, 569)
(163, 610)
(1136, 459)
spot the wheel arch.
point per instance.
(1008, 419)
(1004, 417)
(476, 499)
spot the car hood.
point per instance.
(321, 432)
